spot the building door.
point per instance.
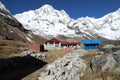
(41, 48)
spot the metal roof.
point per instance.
(54, 40)
(65, 43)
(62, 42)
(94, 41)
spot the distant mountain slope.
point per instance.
(11, 28)
(49, 22)
(109, 25)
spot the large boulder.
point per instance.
(98, 62)
(110, 62)
(110, 48)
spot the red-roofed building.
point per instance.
(55, 43)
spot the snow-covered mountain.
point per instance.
(109, 25)
(47, 21)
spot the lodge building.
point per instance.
(55, 43)
(58, 44)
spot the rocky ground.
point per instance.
(83, 65)
(65, 68)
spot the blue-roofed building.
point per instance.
(90, 44)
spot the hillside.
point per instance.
(12, 29)
(13, 36)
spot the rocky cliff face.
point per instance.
(10, 27)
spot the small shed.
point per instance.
(36, 47)
(90, 44)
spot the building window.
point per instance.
(50, 42)
(56, 44)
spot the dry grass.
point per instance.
(55, 54)
(8, 47)
(99, 75)
(39, 40)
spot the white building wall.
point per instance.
(58, 46)
(52, 46)
(82, 45)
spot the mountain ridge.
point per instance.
(47, 21)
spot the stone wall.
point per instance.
(40, 55)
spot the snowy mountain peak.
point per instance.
(46, 20)
(2, 7)
(48, 10)
(47, 6)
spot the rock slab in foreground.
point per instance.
(65, 68)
